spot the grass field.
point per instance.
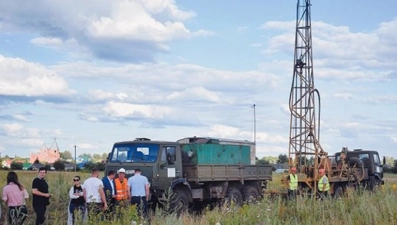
(358, 208)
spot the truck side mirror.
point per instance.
(384, 160)
(108, 157)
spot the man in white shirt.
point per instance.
(139, 190)
(93, 194)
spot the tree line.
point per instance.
(66, 158)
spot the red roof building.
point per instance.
(46, 155)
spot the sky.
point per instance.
(91, 73)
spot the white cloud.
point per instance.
(118, 30)
(85, 146)
(105, 95)
(344, 96)
(279, 25)
(224, 131)
(120, 109)
(20, 117)
(262, 151)
(50, 42)
(16, 136)
(337, 47)
(385, 99)
(21, 78)
(12, 129)
(18, 130)
(195, 94)
(178, 76)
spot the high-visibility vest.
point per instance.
(321, 184)
(293, 182)
(121, 189)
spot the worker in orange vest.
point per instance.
(122, 189)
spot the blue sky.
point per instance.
(95, 72)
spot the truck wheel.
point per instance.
(179, 201)
(250, 194)
(233, 197)
(338, 192)
(373, 183)
(355, 162)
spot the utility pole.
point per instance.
(254, 124)
(253, 149)
(75, 161)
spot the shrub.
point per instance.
(59, 165)
(16, 166)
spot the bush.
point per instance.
(59, 165)
(16, 166)
(47, 167)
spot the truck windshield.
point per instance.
(134, 152)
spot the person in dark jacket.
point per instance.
(109, 188)
(41, 196)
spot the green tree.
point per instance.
(65, 155)
(104, 156)
(89, 166)
(16, 166)
(282, 158)
(270, 159)
(59, 165)
(100, 166)
(389, 161)
(86, 156)
(261, 161)
(47, 167)
(96, 157)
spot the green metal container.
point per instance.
(216, 152)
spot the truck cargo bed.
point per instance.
(201, 173)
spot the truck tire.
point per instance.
(355, 162)
(250, 194)
(233, 197)
(179, 202)
(373, 183)
(338, 192)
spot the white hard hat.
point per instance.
(122, 170)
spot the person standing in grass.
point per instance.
(110, 192)
(323, 184)
(14, 195)
(94, 194)
(41, 196)
(140, 191)
(122, 189)
(292, 183)
(77, 202)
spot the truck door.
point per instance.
(378, 167)
(170, 165)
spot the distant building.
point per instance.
(7, 163)
(48, 155)
(26, 165)
(35, 166)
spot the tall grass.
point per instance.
(357, 208)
